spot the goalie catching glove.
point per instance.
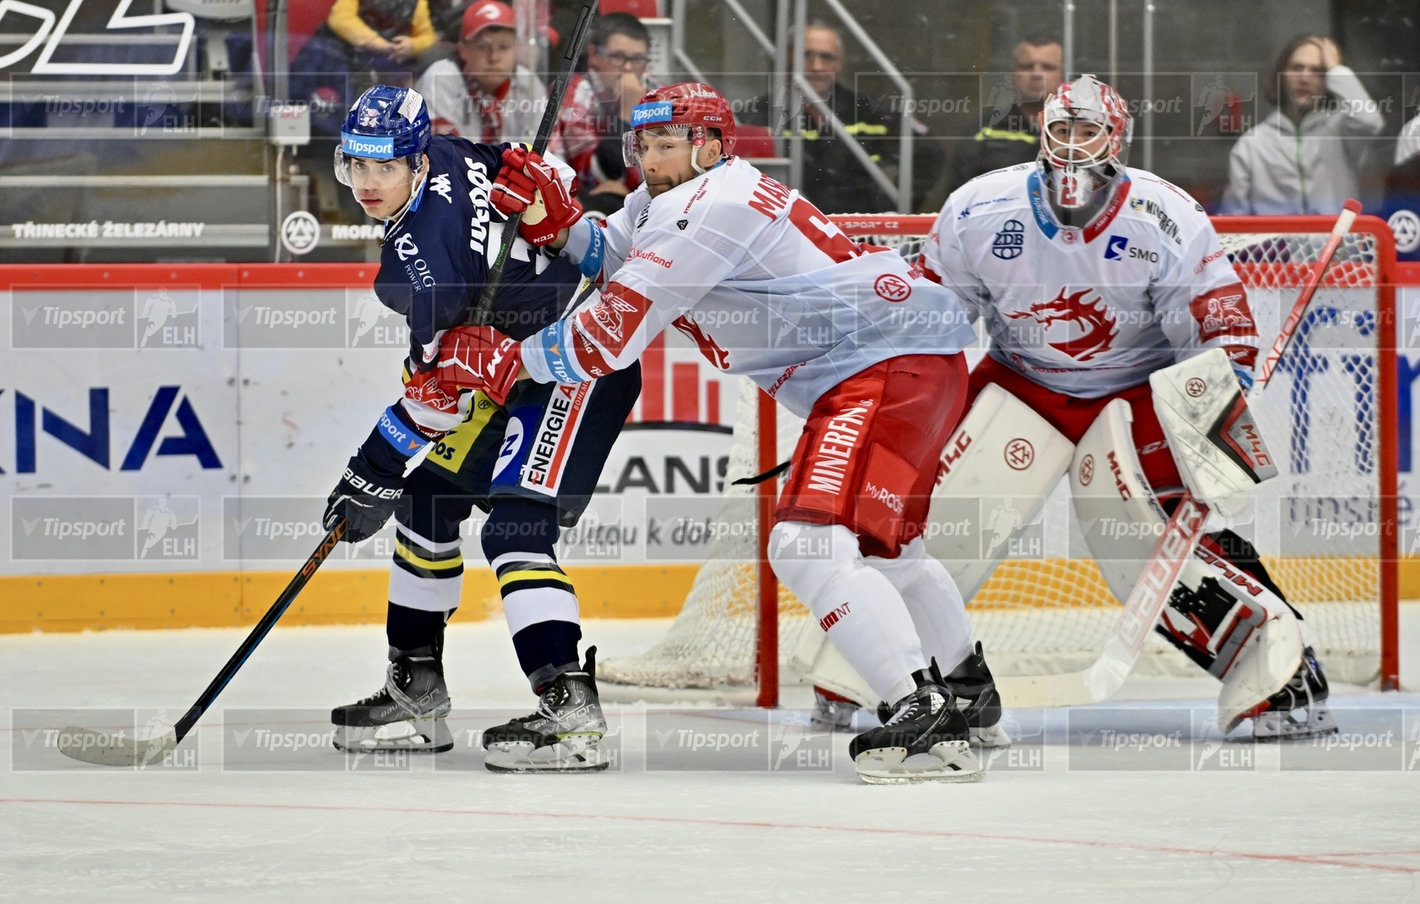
(479, 357)
(528, 185)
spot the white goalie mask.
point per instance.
(1085, 129)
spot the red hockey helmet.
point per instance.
(694, 107)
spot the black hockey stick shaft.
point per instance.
(482, 313)
(268, 621)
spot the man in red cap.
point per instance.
(486, 95)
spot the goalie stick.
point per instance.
(1103, 678)
(482, 313)
(116, 748)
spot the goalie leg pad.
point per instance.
(1001, 445)
(1267, 663)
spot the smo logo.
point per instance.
(46, 32)
(95, 444)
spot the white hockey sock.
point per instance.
(934, 601)
(857, 606)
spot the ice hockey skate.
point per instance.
(563, 735)
(925, 738)
(1299, 709)
(975, 694)
(408, 713)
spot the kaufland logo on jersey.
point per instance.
(644, 114)
(360, 146)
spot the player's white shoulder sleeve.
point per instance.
(681, 251)
(1197, 294)
(944, 259)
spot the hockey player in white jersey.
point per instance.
(852, 340)
(1091, 276)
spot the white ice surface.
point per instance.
(1068, 817)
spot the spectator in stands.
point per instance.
(597, 110)
(1010, 113)
(833, 178)
(360, 43)
(1307, 156)
(486, 96)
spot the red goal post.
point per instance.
(1330, 538)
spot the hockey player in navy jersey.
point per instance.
(441, 235)
(1092, 277)
(847, 337)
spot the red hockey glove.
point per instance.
(425, 389)
(548, 208)
(479, 357)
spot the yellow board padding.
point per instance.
(93, 602)
(335, 597)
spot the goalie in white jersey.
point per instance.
(1090, 276)
(851, 339)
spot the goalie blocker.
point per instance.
(1228, 621)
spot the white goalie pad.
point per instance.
(997, 470)
(1114, 504)
(1267, 661)
(1213, 436)
(818, 660)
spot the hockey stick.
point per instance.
(482, 313)
(115, 748)
(1103, 678)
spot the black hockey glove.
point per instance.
(366, 496)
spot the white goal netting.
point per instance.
(1319, 527)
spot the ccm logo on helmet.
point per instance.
(648, 113)
(367, 147)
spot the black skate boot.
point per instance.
(1299, 709)
(563, 735)
(408, 713)
(975, 692)
(925, 725)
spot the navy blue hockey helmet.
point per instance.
(385, 123)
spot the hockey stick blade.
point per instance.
(117, 749)
(1106, 675)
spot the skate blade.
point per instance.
(946, 761)
(418, 735)
(577, 754)
(1278, 726)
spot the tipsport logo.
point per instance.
(297, 741)
(143, 318)
(36, 737)
(85, 528)
(736, 741)
(286, 528)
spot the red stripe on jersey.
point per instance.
(575, 396)
(1223, 313)
(609, 324)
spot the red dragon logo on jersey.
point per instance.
(1093, 326)
(708, 346)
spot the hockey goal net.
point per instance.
(1326, 528)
